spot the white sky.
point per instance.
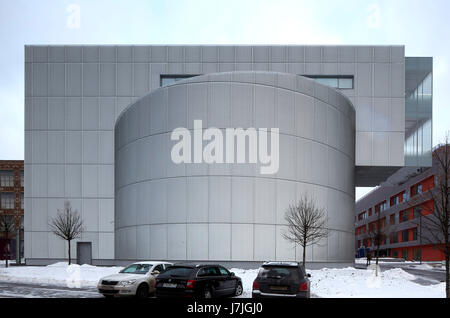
(422, 26)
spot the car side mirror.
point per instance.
(232, 274)
(308, 275)
(155, 273)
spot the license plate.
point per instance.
(168, 285)
(278, 288)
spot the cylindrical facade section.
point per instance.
(217, 209)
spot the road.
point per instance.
(20, 290)
(424, 276)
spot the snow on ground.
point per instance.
(59, 274)
(350, 282)
(247, 276)
(325, 282)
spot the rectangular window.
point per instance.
(170, 79)
(334, 81)
(394, 238)
(22, 201)
(405, 236)
(394, 201)
(417, 254)
(417, 189)
(392, 219)
(22, 181)
(328, 81)
(405, 254)
(7, 200)
(414, 234)
(404, 216)
(406, 196)
(6, 178)
(417, 211)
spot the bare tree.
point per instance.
(7, 226)
(434, 219)
(67, 224)
(378, 232)
(306, 224)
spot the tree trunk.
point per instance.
(69, 253)
(304, 256)
(7, 250)
(447, 273)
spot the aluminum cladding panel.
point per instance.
(231, 211)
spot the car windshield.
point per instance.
(175, 271)
(278, 272)
(136, 269)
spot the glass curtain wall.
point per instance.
(418, 111)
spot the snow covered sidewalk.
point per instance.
(327, 282)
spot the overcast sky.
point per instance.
(422, 26)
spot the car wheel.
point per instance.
(207, 293)
(142, 291)
(238, 290)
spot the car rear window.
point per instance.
(280, 272)
(176, 271)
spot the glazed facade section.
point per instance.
(231, 212)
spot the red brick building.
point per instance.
(12, 206)
(399, 206)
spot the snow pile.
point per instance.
(351, 282)
(60, 274)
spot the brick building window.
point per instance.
(6, 178)
(7, 200)
(22, 179)
(392, 219)
(22, 201)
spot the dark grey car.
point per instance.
(281, 279)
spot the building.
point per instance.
(341, 111)
(11, 209)
(403, 207)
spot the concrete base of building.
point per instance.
(228, 264)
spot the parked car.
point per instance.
(137, 279)
(281, 279)
(198, 280)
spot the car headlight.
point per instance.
(127, 282)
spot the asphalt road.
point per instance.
(424, 277)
